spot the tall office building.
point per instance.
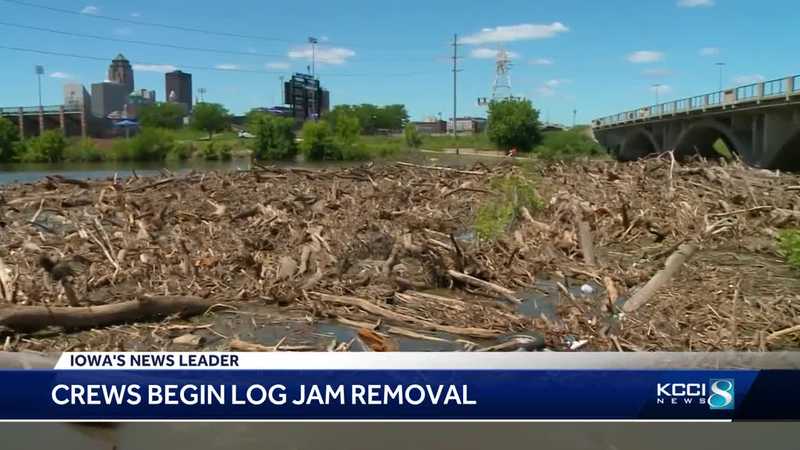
(108, 97)
(120, 71)
(179, 88)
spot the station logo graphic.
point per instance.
(717, 393)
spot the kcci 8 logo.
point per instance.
(722, 394)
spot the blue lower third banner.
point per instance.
(399, 395)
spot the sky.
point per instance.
(596, 57)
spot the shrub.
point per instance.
(84, 151)
(413, 138)
(49, 147)
(151, 144)
(9, 139)
(180, 152)
(496, 215)
(215, 151)
(568, 145)
(318, 141)
(275, 139)
(514, 124)
(789, 247)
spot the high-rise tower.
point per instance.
(120, 71)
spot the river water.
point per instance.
(28, 173)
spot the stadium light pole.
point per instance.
(721, 66)
(313, 41)
(39, 73)
(657, 88)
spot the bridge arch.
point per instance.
(700, 137)
(637, 144)
(788, 157)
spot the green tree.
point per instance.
(151, 144)
(347, 129)
(162, 115)
(275, 139)
(413, 138)
(371, 117)
(318, 141)
(514, 124)
(210, 117)
(9, 138)
(49, 147)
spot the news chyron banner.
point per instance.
(390, 386)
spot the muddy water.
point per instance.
(28, 173)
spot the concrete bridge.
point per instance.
(760, 122)
(34, 120)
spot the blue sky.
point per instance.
(599, 57)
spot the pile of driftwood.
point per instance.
(673, 257)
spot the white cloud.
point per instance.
(277, 65)
(555, 83)
(661, 89)
(695, 3)
(90, 10)
(324, 55)
(488, 53)
(656, 73)
(162, 68)
(645, 57)
(61, 75)
(545, 91)
(227, 66)
(549, 88)
(136, 14)
(542, 62)
(526, 31)
(709, 51)
(748, 79)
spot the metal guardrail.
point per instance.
(781, 87)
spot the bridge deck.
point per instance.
(773, 91)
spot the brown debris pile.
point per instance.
(389, 251)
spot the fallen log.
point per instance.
(587, 244)
(441, 169)
(391, 315)
(32, 318)
(507, 294)
(671, 267)
(243, 346)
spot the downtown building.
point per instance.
(179, 89)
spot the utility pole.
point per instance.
(721, 66)
(313, 41)
(39, 73)
(574, 116)
(455, 92)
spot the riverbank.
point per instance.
(493, 257)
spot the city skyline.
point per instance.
(564, 56)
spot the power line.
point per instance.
(185, 29)
(133, 41)
(145, 23)
(209, 68)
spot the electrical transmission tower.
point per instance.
(501, 88)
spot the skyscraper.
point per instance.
(179, 88)
(120, 71)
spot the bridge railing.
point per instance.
(49, 109)
(775, 87)
(781, 87)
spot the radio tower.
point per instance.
(501, 89)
